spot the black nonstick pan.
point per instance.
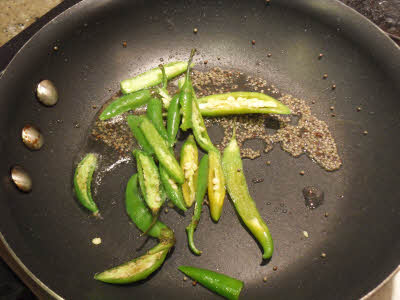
(48, 236)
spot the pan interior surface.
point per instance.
(52, 235)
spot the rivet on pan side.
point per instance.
(47, 93)
(32, 137)
(21, 179)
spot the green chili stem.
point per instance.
(186, 97)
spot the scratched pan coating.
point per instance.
(51, 234)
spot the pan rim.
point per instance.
(374, 29)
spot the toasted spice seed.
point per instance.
(219, 58)
(332, 108)
(365, 132)
(267, 2)
(269, 54)
(206, 62)
(195, 30)
(313, 101)
(302, 172)
(258, 180)
(194, 283)
(359, 108)
(184, 278)
(268, 163)
(166, 210)
(265, 279)
(253, 42)
(275, 268)
(326, 214)
(323, 254)
(94, 106)
(55, 48)
(333, 115)
(239, 170)
(325, 76)
(124, 44)
(333, 86)
(320, 56)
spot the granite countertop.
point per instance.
(16, 15)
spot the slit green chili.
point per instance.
(133, 122)
(83, 181)
(216, 185)
(240, 103)
(154, 114)
(244, 204)
(221, 284)
(125, 103)
(140, 268)
(189, 164)
(200, 193)
(152, 77)
(162, 151)
(185, 97)
(173, 119)
(172, 189)
(149, 181)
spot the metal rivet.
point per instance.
(47, 93)
(21, 179)
(32, 137)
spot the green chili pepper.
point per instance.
(240, 103)
(154, 113)
(162, 91)
(83, 180)
(185, 98)
(199, 129)
(152, 77)
(221, 284)
(141, 267)
(216, 185)
(244, 204)
(172, 189)
(125, 103)
(149, 181)
(162, 151)
(189, 164)
(173, 119)
(133, 122)
(201, 191)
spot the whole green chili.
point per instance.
(83, 180)
(173, 119)
(221, 284)
(125, 103)
(200, 192)
(133, 122)
(244, 204)
(185, 98)
(162, 151)
(141, 267)
(154, 113)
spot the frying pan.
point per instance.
(48, 236)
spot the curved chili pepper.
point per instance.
(162, 150)
(173, 119)
(189, 165)
(216, 185)
(83, 180)
(152, 77)
(221, 284)
(133, 122)
(240, 103)
(149, 181)
(185, 97)
(201, 191)
(141, 267)
(162, 91)
(154, 113)
(125, 103)
(244, 204)
(172, 189)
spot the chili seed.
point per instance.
(320, 56)
(365, 132)
(195, 30)
(333, 86)
(275, 268)
(21, 179)
(325, 76)
(184, 278)
(323, 254)
(96, 241)
(55, 48)
(305, 233)
(124, 44)
(359, 108)
(302, 172)
(253, 42)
